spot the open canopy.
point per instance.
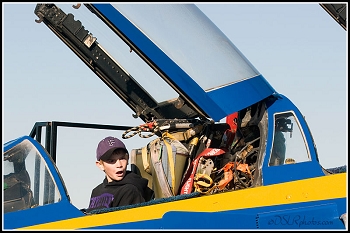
(196, 70)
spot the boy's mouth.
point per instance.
(119, 173)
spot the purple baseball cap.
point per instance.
(106, 147)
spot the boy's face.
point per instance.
(115, 165)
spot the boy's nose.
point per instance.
(118, 163)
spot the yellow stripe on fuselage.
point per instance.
(314, 189)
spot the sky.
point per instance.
(298, 47)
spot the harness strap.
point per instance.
(158, 168)
(203, 183)
(183, 136)
(145, 160)
(165, 136)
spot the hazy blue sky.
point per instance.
(298, 48)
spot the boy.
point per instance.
(120, 187)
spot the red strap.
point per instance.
(232, 121)
(188, 181)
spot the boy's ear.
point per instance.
(99, 164)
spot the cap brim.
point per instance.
(109, 152)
